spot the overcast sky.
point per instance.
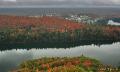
(72, 3)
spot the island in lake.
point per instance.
(66, 64)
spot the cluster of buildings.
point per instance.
(83, 19)
(92, 20)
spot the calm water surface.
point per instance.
(107, 54)
(62, 11)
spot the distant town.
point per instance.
(88, 18)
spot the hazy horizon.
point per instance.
(60, 6)
(59, 3)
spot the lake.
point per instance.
(107, 53)
(60, 11)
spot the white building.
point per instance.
(111, 22)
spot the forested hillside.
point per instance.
(53, 31)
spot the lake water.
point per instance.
(108, 54)
(62, 11)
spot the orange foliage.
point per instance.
(87, 63)
(51, 23)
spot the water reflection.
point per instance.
(29, 46)
(107, 54)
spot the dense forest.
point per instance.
(53, 31)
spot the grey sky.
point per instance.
(7, 3)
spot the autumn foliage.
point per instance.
(76, 64)
(53, 31)
(50, 23)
